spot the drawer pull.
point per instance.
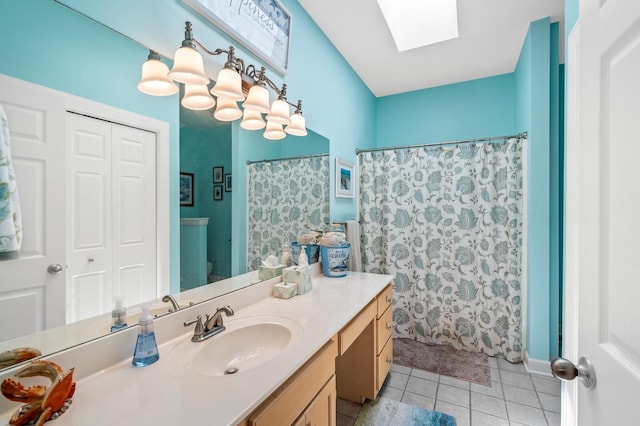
(388, 299)
(388, 327)
(389, 360)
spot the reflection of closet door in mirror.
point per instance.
(31, 298)
(112, 247)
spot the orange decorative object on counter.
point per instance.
(41, 402)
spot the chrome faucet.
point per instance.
(211, 326)
(174, 303)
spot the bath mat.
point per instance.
(441, 359)
(388, 412)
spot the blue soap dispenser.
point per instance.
(146, 352)
(118, 314)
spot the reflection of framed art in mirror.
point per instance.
(186, 189)
(227, 182)
(217, 192)
(218, 174)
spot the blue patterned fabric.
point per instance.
(388, 412)
(285, 198)
(447, 223)
(10, 213)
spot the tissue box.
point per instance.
(268, 272)
(300, 277)
(285, 290)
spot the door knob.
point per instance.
(54, 268)
(564, 369)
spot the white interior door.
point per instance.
(31, 298)
(603, 203)
(89, 217)
(134, 214)
(112, 215)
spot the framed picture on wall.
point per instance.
(186, 189)
(227, 182)
(218, 174)
(217, 192)
(345, 179)
(261, 26)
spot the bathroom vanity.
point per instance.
(293, 357)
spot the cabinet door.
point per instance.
(322, 411)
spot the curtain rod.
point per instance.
(249, 162)
(523, 135)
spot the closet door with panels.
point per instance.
(111, 215)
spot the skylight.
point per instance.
(417, 23)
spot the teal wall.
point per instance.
(468, 110)
(538, 87)
(202, 149)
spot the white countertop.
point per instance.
(158, 395)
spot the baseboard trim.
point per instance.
(537, 366)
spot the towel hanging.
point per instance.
(10, 216)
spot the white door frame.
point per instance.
(569, 401)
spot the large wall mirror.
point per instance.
(81, 57)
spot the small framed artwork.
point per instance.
(345, 179)
(186, 189)
(218, 174)
(227, 182)
(217, 192)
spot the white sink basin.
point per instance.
(246, 343)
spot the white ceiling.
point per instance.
(491, 34)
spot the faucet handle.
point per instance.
(199, 330)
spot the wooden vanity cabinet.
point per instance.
(366, 350)
(307, 398)
(353, 366)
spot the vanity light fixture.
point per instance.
(233, 83)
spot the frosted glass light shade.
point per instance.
(227, 110)
(188, 67)
(258, 99)
(274, 131)
(228, 85)
(197, 97)
(154, 80)
(297, 126)
(279, 112)
(252, 120)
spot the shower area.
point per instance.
(446, 220)
(286, 197)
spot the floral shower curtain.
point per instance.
(286, 197)
(446, 221)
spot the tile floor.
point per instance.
(515, 398)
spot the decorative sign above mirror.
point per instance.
(262, 26)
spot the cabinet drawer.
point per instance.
(385, 359)
(384, 300)
(352, 330)
(384, 329)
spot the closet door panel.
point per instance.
(89, 218)
(134, 222)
